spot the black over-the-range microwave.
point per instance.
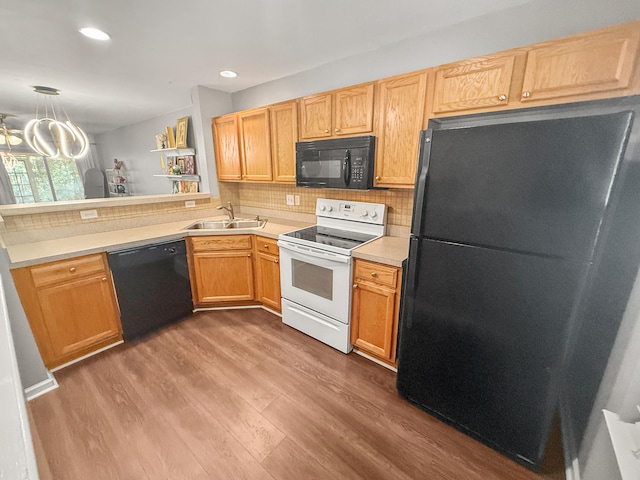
(336, 163)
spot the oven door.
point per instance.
(316, 279)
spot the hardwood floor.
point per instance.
(238, 395)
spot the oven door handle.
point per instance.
(314, 253)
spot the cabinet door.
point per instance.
(372, 318)
(400, 114)
(315, 116)
(255, 144)
(354, 110)
(223, 276)
(226, 147)
(268, 280)
(284, 135)
(586, 65)
(78, 315)
(472, 84)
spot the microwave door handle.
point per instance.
(346, 167)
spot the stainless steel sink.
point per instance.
(227, 224)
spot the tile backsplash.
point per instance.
(399, 202)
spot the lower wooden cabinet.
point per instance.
(221, 269)
(268, 272)
(70, 306)
(375, 309)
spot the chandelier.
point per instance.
(8, 138)
(51, 136)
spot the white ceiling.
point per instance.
(160, 49)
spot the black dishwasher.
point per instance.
(152, 286)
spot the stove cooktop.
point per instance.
(333, 237)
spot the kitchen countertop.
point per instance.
(389, 250)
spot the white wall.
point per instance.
(132, 144)
(532, 22)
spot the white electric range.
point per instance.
(316, 268)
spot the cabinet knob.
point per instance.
(374, 274)
(248, 254)
(378, 177)
(72, 269)
(502, 98)
(266, 246)
(104, 279)
(526, 94)
(355, 285)
(326, 131)
(337, 129)
(276, 261)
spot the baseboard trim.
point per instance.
(40, 388)
(91, 354)
(238, 307)
(374, 359)
(569, 447)
(271, 311)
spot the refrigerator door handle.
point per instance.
(421, 181)
(410, 287)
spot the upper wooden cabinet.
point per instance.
(284, 135)
(472, 84)
(348, 111)
(399, 119)
(226, 145)
(255, 144)
(71, 307)
(586, 64)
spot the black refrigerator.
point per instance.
(508, 222)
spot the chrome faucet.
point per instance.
(228, 209)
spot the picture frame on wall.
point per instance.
(189, 165)
(181, 132)
(180, 163)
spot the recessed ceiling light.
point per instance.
(228, 74)
(94, 33)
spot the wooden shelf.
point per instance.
(175, 152)
(190, 178)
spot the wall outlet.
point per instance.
(297, 199)
(289, 199)
(88, 214)
(190, 203)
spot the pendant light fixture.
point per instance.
(8, 137)
(51, 136)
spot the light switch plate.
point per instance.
(189, 203)
(88, 214)
(289, 199)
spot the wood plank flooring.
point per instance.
(238, 395)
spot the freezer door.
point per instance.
(482, 339)
(537, 186)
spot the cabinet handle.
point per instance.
(104, 279)
(326, 131)
(502, 98)
(276, 261)
(355, 285)
(337, 129)
(526, 94)
(374, 274)
(378, 177)
(72, 269)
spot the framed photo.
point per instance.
(171, 139)
(189, 165)
(181, 132)
(180, 164)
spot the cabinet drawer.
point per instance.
(66, 270)
(376, 273)
(267, 245)
(222, 242)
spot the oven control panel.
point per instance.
(374, 213)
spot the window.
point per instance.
(39, 179)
